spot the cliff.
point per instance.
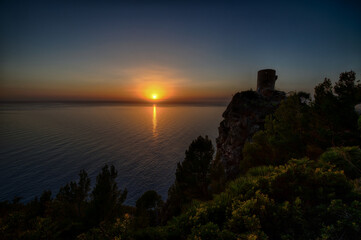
(244, 116)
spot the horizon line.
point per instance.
(201, 102)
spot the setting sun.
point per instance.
(154, 92)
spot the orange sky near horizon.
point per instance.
(132, 85)
(144, 95)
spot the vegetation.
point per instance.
(149, 207)
(299, 200)
(301, 179)
(301, 127)
(192, 177)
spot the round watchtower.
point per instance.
(266, 79)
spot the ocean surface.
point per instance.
(44, 146)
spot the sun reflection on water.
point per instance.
(155, 134)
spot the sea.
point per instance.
(43, 146)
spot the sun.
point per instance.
(154, 93)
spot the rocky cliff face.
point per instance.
(243, 117)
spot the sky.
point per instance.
(179, 50)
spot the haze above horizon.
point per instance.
(182, 51)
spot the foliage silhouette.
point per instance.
(73, 195)
(301, 127)
(149, 207)
(192, 177)
(347, 159)
(106, 198)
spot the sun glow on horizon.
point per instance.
(153, 93)
(154, 83)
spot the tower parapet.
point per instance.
(266, 79)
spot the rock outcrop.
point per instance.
(244, 116)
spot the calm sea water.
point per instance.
(45, 146)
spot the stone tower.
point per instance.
(266, 80)
(244, 116)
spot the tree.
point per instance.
(106, 197)
(285, 135)
(73, 195)
(359, 123)
(148, 209)
(192, 174)
(192, 178)
(346, 89)
(217, 176)
(44, 201)
(149, 200)
(334, 118)
(324, 93)
(324, 117)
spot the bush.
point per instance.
(292, 201)
(347, 159)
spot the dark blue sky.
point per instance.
(183, 50)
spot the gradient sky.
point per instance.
(184, 50)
